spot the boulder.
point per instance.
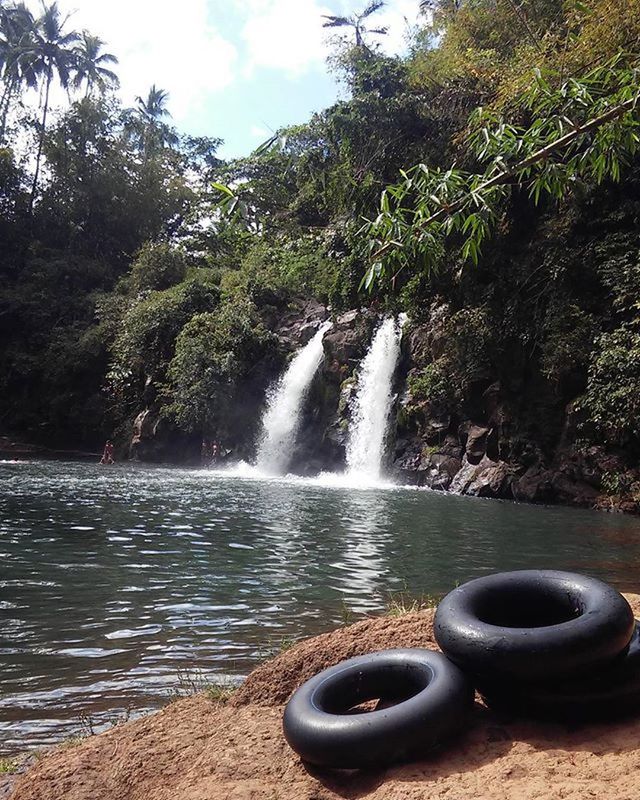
(476, 443)
(485, 479)
(534, 486)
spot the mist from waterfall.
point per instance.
(373, 401)
(284, 403)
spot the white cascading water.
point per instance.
(284, 404)
(373, 401)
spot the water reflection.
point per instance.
(361, 570)
(114, 580)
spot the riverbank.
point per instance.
(15, 448)
(204, 749)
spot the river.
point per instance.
(120, 585)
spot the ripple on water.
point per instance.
(131, 633)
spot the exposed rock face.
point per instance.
(323, 437)
(495, 445)
(156, 441)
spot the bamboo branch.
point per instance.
(540, 155)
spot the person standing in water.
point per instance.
(107, 454)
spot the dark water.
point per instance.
(117, 582)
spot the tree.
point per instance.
(90, 65)
(148, 126)
(52, 55)
(154, 107)
(16, 64)
(356, 21)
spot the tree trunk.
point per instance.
(36, 174)
(5, 103)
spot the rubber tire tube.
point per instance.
(432, 697)
(533, 625)
(611, 693)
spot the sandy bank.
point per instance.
(196, 749)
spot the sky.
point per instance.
(234, 69)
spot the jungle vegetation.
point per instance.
(494, 168)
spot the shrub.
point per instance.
(158, 266)
(612, 399)
(213, 352)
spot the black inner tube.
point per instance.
(390, 683)
(527, 607)
(428, 698)
(533, 625)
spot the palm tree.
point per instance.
(17, 27)
(356, 21)
(152, 132)
(53, 54)
(155, 106)
(90, 65)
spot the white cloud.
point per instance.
(288, 35)
(284, 35)
(171, 45)
(397, 15)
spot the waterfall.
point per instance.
(373, 401)
(284, 404)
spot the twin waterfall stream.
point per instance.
(370, 407)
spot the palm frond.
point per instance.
(335, 22)
(371, 9)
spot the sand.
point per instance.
(198, 749)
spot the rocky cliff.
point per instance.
(493, 440)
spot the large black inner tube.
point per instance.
(430, 694)
(533, 625)
(610, 693)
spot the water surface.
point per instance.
(119, 583)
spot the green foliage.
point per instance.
(144, 271)
(620, 271)
(616, 484)
(298, 266)
(158, 266)
(611, 402)
(145, 342)
(213, 352)
(432, 384)
(583, 131)
(569, 335)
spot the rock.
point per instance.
(476, 443)
(348, 318)
(485, 479)
(435, 428)
(145, 427)
(534, 486)
(439, 470)
(428, 341)
(571, 490)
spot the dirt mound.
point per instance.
(197, 750)
(272, 683)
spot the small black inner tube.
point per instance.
(527, 607)
(428, 699)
